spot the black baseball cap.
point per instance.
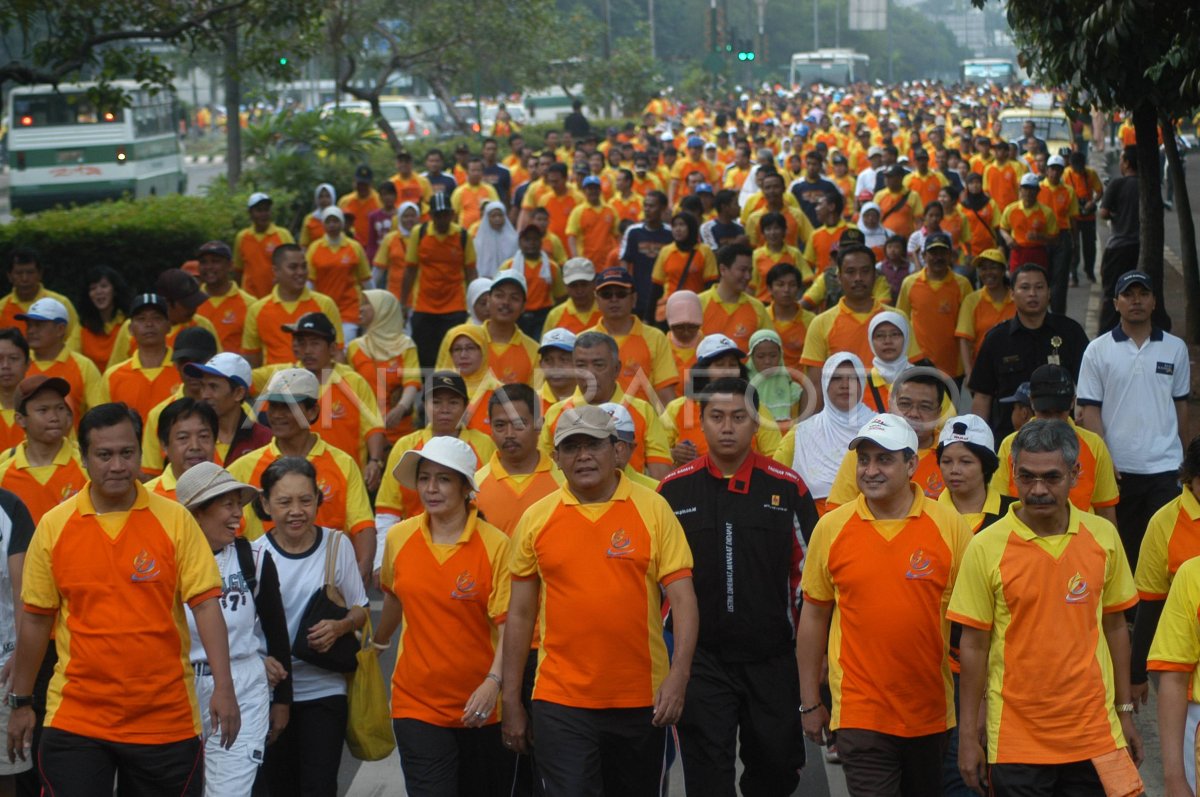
(218, 248)
(194, 344)
(363, 174)
(440, 203)
(313, 324)
(852, 237)
(176, 285)
(1051, 388)
(938, 240)
(148, 300)
(447, 380)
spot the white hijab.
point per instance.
(877, 235)
(890, 370)
(478, 287)
(823, 440)
(332, 195)
(493, 247)
(404, 233)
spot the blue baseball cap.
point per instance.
(591, 180)
(704, 188)
(1020, 396)
(695, 141)
(1127, 280)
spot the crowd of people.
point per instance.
(761, 421)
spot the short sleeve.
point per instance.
(657, 447)
(965, 328)
(251, 342)
(21, 521)
(816, 342)
(1119, 593)
(364, 267)
(845, 482)
(1002, 480)
(349, 581)
(39, 590)
(903, 304)
(1181, 383)
(816, 582)
(1104, 491)
(197, 571)
(391, 549)
(501, 581)
(1176, 645)
(522, 560)
(663, 363)
(785, 452)
(1090, 389)
(575, 221)
(358, 505)
(1152, 577)
(710, 265)
(658, 274)
(412, 255)
(973, 602)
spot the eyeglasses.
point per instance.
(613, 293)
(1051, 479)
(460, 350)
(592, 445)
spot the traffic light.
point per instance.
(746, 55)
(283, 60)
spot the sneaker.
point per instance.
(831, 755)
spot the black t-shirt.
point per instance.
(807, 192)
(639, 249)
(1121, 200)
(1010, 353)
(500, 178)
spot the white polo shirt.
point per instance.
(1136, 390)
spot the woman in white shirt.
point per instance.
(252, 609)
(305, 758)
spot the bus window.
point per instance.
(54, 110)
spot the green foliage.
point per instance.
(138, 238)
(626, 80)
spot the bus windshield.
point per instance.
(983, 71)
(57, 110)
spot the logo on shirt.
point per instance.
(1164, 368)
(337, 410)
(68, 490)
(1077, 589)
(145, 568)
(919, 565)
(775, 500)
(229, 318)
(465, 587)
(325, 488)
(620, 545)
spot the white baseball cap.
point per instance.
(292, 385)
(1030, 180)
(967, 429)
(714, 346)
(226, 364)
(578, 269)
(46, 309)
(557, 338)
(510, 275)
(256, 197)
(624, 421)
(888, 431)
(333, 210)
(444, 450)
(1057, 160)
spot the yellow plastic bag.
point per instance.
(369, 727)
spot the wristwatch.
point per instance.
(1124, 708)
(19, 701)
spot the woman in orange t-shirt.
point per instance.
(101, 308)
(445, 582)
(387, 359)
(686, 264)
(325, 196)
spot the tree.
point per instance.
(1141, 55)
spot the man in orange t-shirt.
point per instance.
(226, 305)
(132, 554)
(887, 563)
(254, 246)
(1028, 227)
(439, 265)
(360, 203)
(592, 227)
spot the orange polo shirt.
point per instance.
(596, 230)
(43, 487)
(265, 319)
(10, 433)
(455, 598)
(468, 200)
(1001, 182)
(888, 581)
(397, 500)
(504, 497)
(344, 503)
(627, 209)
(87, 386)
(645, 357)
(560, 206)
(932, 308)
(979, 314)
(567, 316)
(414, 189)
(1021, 222)
(539, 292)
(926, 186)
(648, 429)
(98, 346)
(388, 378)
(902, 220)
(602, 567)
(440, 262)
(227, 314)
(821, 243)
(670, 264)
(1061, 199)
(140, 387)
(93, 573)
(792, 333)
(252, 257)
(981, 226)
(361, 208)
(839, 329)
(337, 273)
(1172, 538)
(1043, 599)
(737, 321)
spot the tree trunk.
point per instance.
(443, 93)
(233, 104)
(384, 125)
(1150, 206)
(1187, 233)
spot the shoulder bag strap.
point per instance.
(686, 268)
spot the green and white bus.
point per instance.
(63, 149)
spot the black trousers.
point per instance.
(1142, 494)
(453, 762)
(532, 321)
(29, 782)
(759, 700)
(1115, 261)
(1087, 247)
(1078, 779)
(80, 766)
(1060, 254)
(883, 765)
(611, 752)
(428, 329)
(526, 782)
(305, 758)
